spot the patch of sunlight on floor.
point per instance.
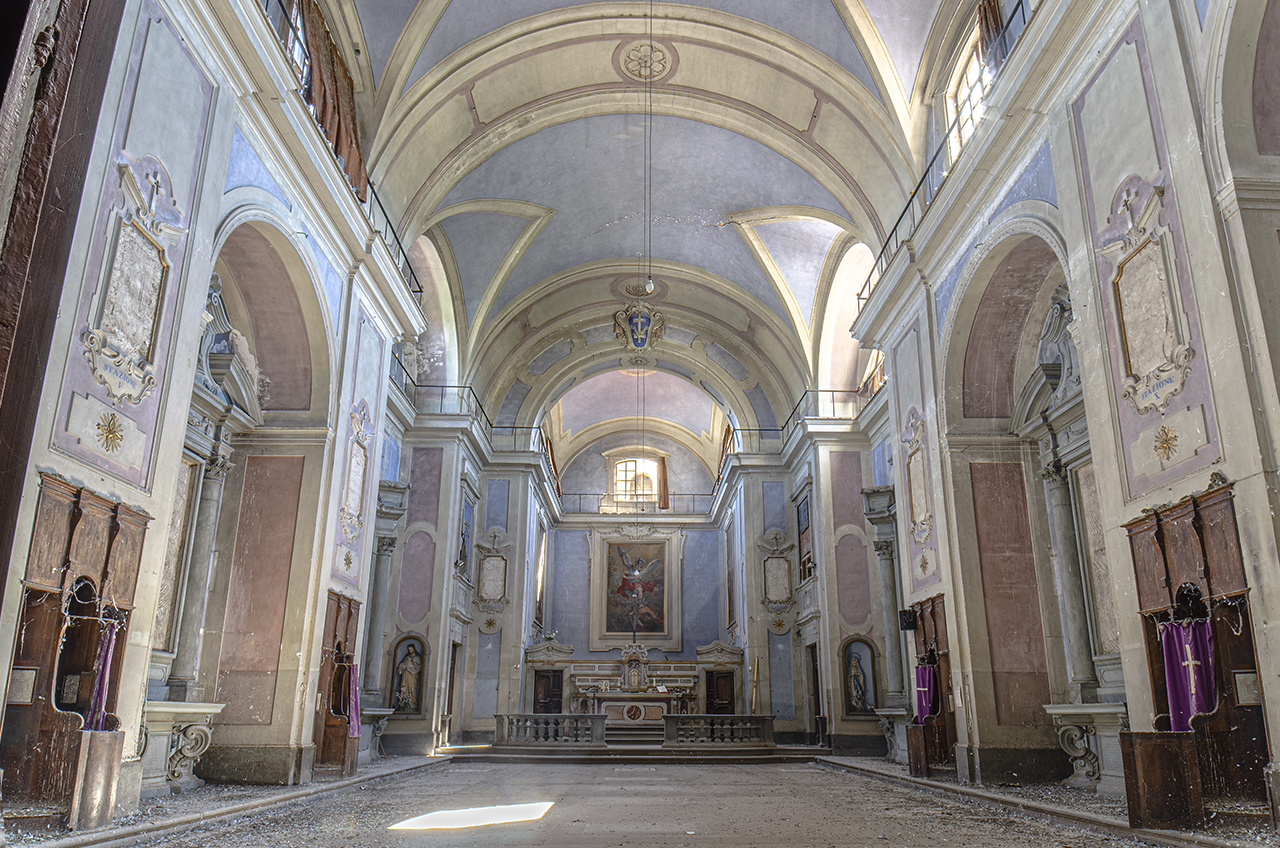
(475, 816)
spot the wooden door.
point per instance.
(548, 691)
(336, 749)
(931, 644)
(720, 693)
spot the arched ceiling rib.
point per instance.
(512, 134)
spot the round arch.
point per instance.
(269, 289)
(990, 342)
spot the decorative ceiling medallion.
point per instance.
(1166, 443)
(645, 61)
(639, 326)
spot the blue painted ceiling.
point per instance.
(591, 173)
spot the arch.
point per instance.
(991, 338)
(841, 360)
(270, 292)
(1242, 85)
(439, 344)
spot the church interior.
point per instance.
(422, 376)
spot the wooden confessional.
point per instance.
(932, 743)
(61, 746)
(1187, 564)
(336, 748)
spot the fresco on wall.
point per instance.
(637, 581)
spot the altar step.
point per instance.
(636, 754)
(633, 735)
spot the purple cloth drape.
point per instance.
(926, 686)
(97, 718)
(353, 702)
(1188, 670)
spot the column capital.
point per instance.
(1054, 474)
(386, 545)
(884, 547)
(217, 467)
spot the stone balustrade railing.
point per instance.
(550, 729)
(682, 730)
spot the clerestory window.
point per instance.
(635, 479)
(968, 88)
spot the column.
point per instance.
(183, 683)
(881, 511)
(1067, 572)
(373, 648)
(886, 551)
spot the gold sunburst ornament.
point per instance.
(110, 433)
(1166, 444)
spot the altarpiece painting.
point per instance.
(635, 580)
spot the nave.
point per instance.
(821, 803)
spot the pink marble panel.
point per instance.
(424, 485)
(417, 566)
(853, 580)
(846, 488)
(1009, 593)
(258, 592)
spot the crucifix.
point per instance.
(1190, 665)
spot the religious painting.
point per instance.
(806, 538)
(859, 677)
(637, 588)
(407, 675)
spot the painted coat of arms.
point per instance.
(639, 326)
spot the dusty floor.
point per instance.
(607, 805)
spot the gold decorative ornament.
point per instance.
(1166, 444)
(110, 433)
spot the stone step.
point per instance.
(634, 754)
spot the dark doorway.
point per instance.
(818, 728)
(720, 693)
(547, 691)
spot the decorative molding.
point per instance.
(188, 745)
(386, 545)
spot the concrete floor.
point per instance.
(607, 805)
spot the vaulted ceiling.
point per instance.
(508, 137)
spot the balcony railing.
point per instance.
(462, 401)
(694, 503)
(995, 56)
(285, 25)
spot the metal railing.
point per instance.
(294, 45)
(940, 164)
(462, 401)
(695, 503)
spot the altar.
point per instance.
(633, 690)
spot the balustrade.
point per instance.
(691, 730)
(550, 729)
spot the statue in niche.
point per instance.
(408, 683)
(859, 685)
